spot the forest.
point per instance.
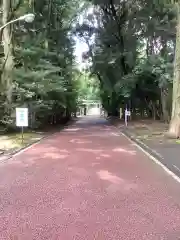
(133, 59)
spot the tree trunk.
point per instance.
(165, 113)
(153, 107)
(8, 56)
(174, 127)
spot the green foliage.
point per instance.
(132, 53)
(88, 87)
(44, 78)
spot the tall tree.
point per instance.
(8, 61)
(174, 128)
(38, 64)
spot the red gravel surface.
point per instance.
(87, 182)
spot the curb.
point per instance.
(153, 155)
(142, 145)
(5, 157)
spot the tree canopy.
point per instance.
(131, 56)
(132, 53)
(38, 67)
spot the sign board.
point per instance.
(127, 113)
(22, 117)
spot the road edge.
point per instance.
(153, 155)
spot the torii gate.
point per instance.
(87, 104)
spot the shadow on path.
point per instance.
(87, 182)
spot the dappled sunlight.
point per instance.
(95, 164)
(34, 159)
(99, 134)
(123, 150)
(71, 129)
(107, 128)
(100, 128)
(117, 183)
(106, 175)
(78, 171)
(54, 155)
(63, 150)
(96, 151)
(52, 152)
(115, 134)
(37, 155)
(105, 155)
(49, 149)
(79, 141)
(22, 162)
(41, 150)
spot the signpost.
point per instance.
(22, 119)
(127, 114)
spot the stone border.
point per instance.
(141, 144)
(153, 155)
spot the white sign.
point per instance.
(22, 117)
(127, 113)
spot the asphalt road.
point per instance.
(168, 155)
(87, 182)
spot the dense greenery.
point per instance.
(37, 61)
(131, 55)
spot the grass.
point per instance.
(153, 131)
(14, 142)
